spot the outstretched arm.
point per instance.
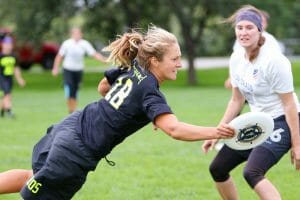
(98, 56)
(233, 108)
(188, 132)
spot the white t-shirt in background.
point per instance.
(74, 52)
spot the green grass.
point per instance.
(149, 165)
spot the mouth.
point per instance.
(244, 40)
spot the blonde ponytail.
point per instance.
(124, 49)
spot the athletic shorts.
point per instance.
(6, 84)
(279, 142)
(60, 163)
(72, 80)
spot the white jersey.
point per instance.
(270, 42)
(261, 81)
(74, 52)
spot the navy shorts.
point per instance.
(259, 159)
(60, 163)
(6, 84)
(279, 142)
(72, 80)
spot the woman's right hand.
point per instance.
(55, 71)
(225, 131)
(209, 145)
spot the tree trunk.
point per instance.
(192, 78)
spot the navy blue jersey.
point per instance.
(133, 101)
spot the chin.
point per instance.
(173, 78)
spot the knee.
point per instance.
(253, 176)
(218, 173)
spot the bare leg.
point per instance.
(7, 101)
(13, 180)
(227, 190)
(266, 190)
(72, 104)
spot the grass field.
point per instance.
(149, 165)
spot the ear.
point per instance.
(153, 61)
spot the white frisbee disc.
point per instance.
(251, 129)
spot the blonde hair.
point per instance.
(135, 45)
(232, 20)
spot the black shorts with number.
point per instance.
(6, 83)
(60, 163)
(72, 80)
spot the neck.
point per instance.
(248, 51)
(157, 76)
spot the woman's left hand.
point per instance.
(295, 156)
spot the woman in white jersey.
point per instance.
(72, 52)
(264, 78)
(270, 40)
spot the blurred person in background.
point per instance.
(8, 70)
(71, 54)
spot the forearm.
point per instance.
(99, 57)
(291, 115)
(292, 119)
(189, 132)
(57, 61)
(234, 107)
(18, 75)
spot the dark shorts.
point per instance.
(6, 84)
(72, 80)
(279, 142)
(274, 148)
(60, 163)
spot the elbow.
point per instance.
(101, 91)
(173, 133)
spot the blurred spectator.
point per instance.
(8, 69)
(71, 53)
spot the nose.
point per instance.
(179, 63)
(243, 31)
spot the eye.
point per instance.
(239, 27)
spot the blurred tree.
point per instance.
(32, 19)
(195, 22)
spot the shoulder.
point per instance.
(236, 56)
(268, 54)
(272, 42)
(67, 41)
(143, 77)
(273, 60)
(84, 42)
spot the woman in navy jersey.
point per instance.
(62, 159)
